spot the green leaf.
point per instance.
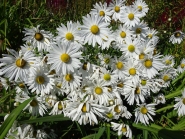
(81, 129)
(46, 119)
(7, 124)
(145, 134)
(89, 136)
(171, 134)
(100, 132)
(2, 99)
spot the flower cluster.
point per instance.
(58, 72)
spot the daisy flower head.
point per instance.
(118, 66)
(39, 38)
(122, 33)
(105, 60)
(40, 81)
(141, 6)
(181, 67)
(122, 129)
(69, 33)
(160, 98)
(152, 34)
(168, 60)
(143, 113)
(36, 106)
(107, 43)
(117, 6)
(130, 16)
(140, 30)
(58, 108)
(151, 65)
(64, 57)
(94, 29)
(177, 37)
(180, 104)
(102, 9)
(16, 65)
(130, 48)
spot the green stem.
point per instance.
(173, 94)
(145, 134)
(164, 108)
(143, 127)
(180, 77)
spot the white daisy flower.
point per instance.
(69, 33)
(4, 82)
(107, 43)
(143, 113)
(40, 81)
(180, 104)
(151, 65)
(117, 6)
(140, 30)
(94, 29)
(102, 10)
(122, 129)
(177, 37)
(16, 66)
(108, 76)
(118, 66)
(181, 67)
(141, 6)
(64, 58)
(122, 33)
(151, 34)
(168, 60)
(50, 100)
(130, 16)
(58, 108)
(105, 60)
(160, 98)
(40, 38)
(71, 80)
(36, 106)
(130, 48)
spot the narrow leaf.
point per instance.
(100, 132)
(7, 124)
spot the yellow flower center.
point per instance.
(124, 129)
(137, 90)
(144, 110)
(132, 71)
(123, 34)
(107, 60)
(59, 85)
(166, 78)
(155, 51)
(60, 107)
(39, 36)
(183, 101)
(69, 36)
(120, 85)
(107, 77)
(182, 65)
(116, 109)
(84, 67)
(142, 56)
(98, 90)
(52, 72)
(84, 109)
(143, 82)
(21, 85)
(94, 29)
(168, 62)
(33, 103)
(116, 9)
(109, 115)
(40, 80)
(65, 58)
(131, 16)
(150, 36)
(68, 77)
(138, 30)
(177, 34)
(131, 48)
(20, 63)
(148, 63)
(139, 8)
(119, 65)
(102, 13)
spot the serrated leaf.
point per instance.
(11, 118)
